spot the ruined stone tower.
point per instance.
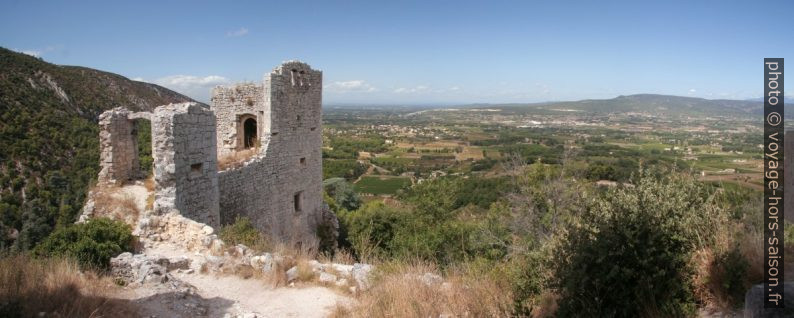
(281, 189)
(185, 162)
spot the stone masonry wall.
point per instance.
(289, 167)
(231, 105)
(185, 161)
(118, 147)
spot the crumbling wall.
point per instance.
(185, 162)
(231, 105)
(118, 146)
(281, 192)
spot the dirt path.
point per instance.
(216, 295)
(255, 296)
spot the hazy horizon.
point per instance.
(417, 53)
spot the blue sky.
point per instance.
(423, 52)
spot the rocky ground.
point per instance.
(167, 281)
(182, 269)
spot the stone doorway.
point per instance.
(249, 133)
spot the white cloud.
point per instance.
(454, 88)
(408, 90)
(186, 81)
(349, 86)
(237, 33)
(196, 87)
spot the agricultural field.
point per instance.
(423, 144)
(381, 185)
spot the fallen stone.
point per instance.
(360, 273)
(343, 269)
(430, 279)
(327, 278)
(292, 273)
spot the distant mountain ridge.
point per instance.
(653, 104)
(49, 138)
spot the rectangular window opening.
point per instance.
(297, 201)
(303, 160)
(196, 170)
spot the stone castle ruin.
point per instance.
(279, 188)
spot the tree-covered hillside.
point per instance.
(49, 144)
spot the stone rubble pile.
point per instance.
(144, 269)
(176, 229)
(211, 255)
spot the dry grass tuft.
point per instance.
(400, 291)
(57, 288)
(149, 183)
(277, 277)
(236, 159)
(725, 271)
(110, 202)
(305, 272)
(340, 256)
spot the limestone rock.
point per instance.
(327, 278)
(360, 273)
(292, 273)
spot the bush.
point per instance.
(343, 193)
(242, 231)
(730, 270)
(371, 229)
(438, 235)
(92, 243)
(629, 255)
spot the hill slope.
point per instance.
(49, 145)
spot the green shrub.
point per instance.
(372, 228)
(242, 231)
(342, 192)
(527, 280)
(92, 243)
(629, 255)
(378, 229)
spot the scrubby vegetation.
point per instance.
(661, 245)
(48, 137)
(350, 169)
(92, 244)
(242, 231)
